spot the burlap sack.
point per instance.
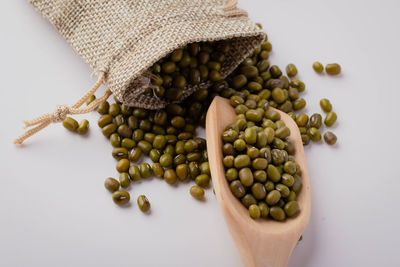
(122, 38)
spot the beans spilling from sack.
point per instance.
(168, 136)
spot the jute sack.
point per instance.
(121, 39)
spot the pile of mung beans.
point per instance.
(267, 178)
(259, 163)
(166, 136)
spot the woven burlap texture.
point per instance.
(123, 38)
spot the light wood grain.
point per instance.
(260, 242)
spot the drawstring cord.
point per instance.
(62, 111)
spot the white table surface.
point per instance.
(54, 210)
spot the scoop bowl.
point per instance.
(261, 242)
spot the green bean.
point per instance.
(103, 108)
(122, 165)
(325, 105)
(314, 134)
(124, 179)
(316, 120)
(70, 124)
(202, 180)
(121, 197)
(330, 138)
(277, 213)
(291, 208)
(143, 203)
(254, 211)
(182, 171)
(197, 192)
(145, 170)
(170, 176)
(318, 67)
(111, 184)
(83, 127)
(333, 69)
(157, 170)
(302, 120)
(291, 70)
(330, 119)
(246, 176)
(134, 173)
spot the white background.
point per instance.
(54, 210)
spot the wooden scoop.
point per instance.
(262, 242)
